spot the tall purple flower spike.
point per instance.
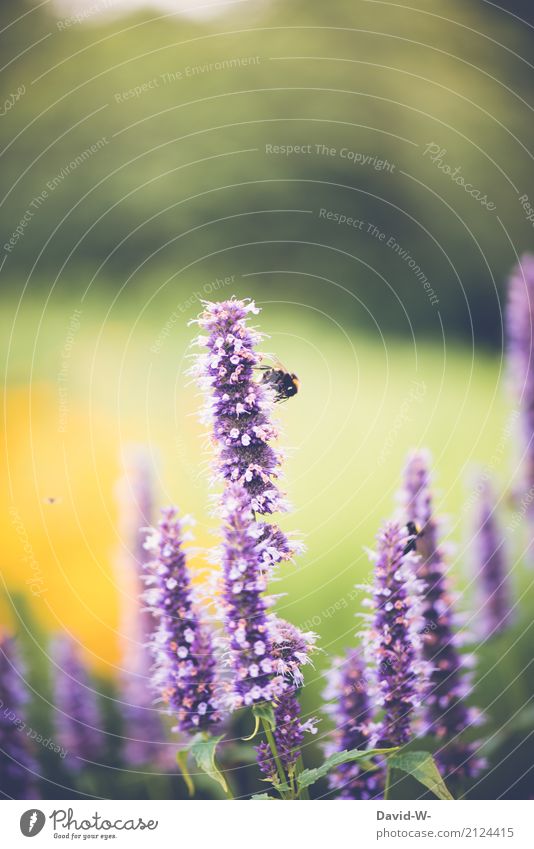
(490, 564)
(520, 332)
(239, 406)
(135, 500)
(291, 649)
(77, 716)
(393, 641)
(18, 768)
(184, 675)
(349, 707)
(145, 738)
(249, 552)
(447, 714)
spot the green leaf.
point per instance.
(263, 797)
(264, 711)
(309, 776)
(255, 731)
(203, 750)
(181, 760)
(422, 767)
(261, 712)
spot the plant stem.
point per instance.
(181, 760)
(272, 745)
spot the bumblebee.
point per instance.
(413, 533)
(285, 384)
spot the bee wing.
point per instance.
(276, 364)
(279, 366)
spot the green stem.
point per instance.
(303, 791)
(272, 745)
(292, 785)
(388, 782)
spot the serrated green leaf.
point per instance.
(264, 711)
(263, 797)
(422, 767)
(309, 776)
(181, 760)
(203, 750)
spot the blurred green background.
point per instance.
(139, 160)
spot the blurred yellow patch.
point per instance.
(58, 486)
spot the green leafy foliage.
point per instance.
(203, 750)
(264, 712)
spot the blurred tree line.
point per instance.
(153, 149)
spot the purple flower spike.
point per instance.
(144, 738)
(18, 769)
(291, 650)
(349, 708)
(447, 715)
(394, 641)
(288, 736)
(182, 644)
(134, 493)
(239, 405)
(78, 719)
(490, 563)
(247, 557)
(520, 327)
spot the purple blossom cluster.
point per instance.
(18, 768)
(447, 715)
(239, 405)
(393, 641)
(144, 742)
(347, 703)
(490, 566)
(288, 737)
(77, 717)
(520, 337)
(182, 646)
(291, 649)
